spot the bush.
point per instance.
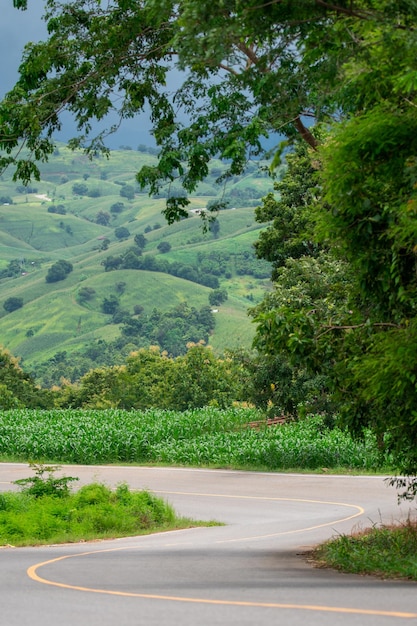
(58, 271)
(12, 304)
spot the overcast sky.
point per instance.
(18, 28)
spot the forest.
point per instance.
(339, 82)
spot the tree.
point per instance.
(110, 305)
(58, 271)
(79, 189)
(117, 207)
(103, 218)
(121, 232)
(218, 296)
(12, 304)
(127, 191)
(140, 240)
(17, 388)
(86, 293)
(251, 70)
(164, 246)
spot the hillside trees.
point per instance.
(150, 379)
(252, 69)
(17, 389)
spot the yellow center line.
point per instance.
(32, 571)
(359, 511)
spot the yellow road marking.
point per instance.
(32, 573)
(358, 508)
(33, 570)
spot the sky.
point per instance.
(18, 28)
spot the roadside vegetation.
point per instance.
(46, 511)
(201, 437)
(387, 552)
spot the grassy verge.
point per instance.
(387, 552)
(46, 512)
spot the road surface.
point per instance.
(252, 571)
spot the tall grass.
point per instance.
(209, 437)
(93, 512)
(389, 552)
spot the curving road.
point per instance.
(249, 572)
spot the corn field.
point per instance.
(203, 437)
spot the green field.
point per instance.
(52, 318)
(203, 437)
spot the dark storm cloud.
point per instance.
(16, 29)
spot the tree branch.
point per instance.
(329, 328)
(305, 133)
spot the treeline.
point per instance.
(170, 331)
(210, 266)
(132, 259)
(150, 378)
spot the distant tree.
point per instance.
(6, 200)
(214, 228)
(127, 191)
(112, 263)
(140, 240)
(105, 244)
(132, 259)
(86, 293)
(138, 309)
(58, 271)
(120, 317)
(110, 305)
(121, 232)
(26, 189)
(164, 247)
(103, 218)
(94, 193)
(120, 286)
(12, 304)
(217, 296)
(79, 189)
(59, 209)
(117, 207)
(148, 229)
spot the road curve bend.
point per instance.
(251, 571)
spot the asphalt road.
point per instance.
(253, 571)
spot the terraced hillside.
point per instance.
(93, 215)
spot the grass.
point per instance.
(44, 515)
(387, 552)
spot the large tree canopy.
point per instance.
(249, 69)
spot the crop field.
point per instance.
(203, 437)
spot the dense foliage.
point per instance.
(17, 388)
(343, 313)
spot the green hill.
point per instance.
(74, 213)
